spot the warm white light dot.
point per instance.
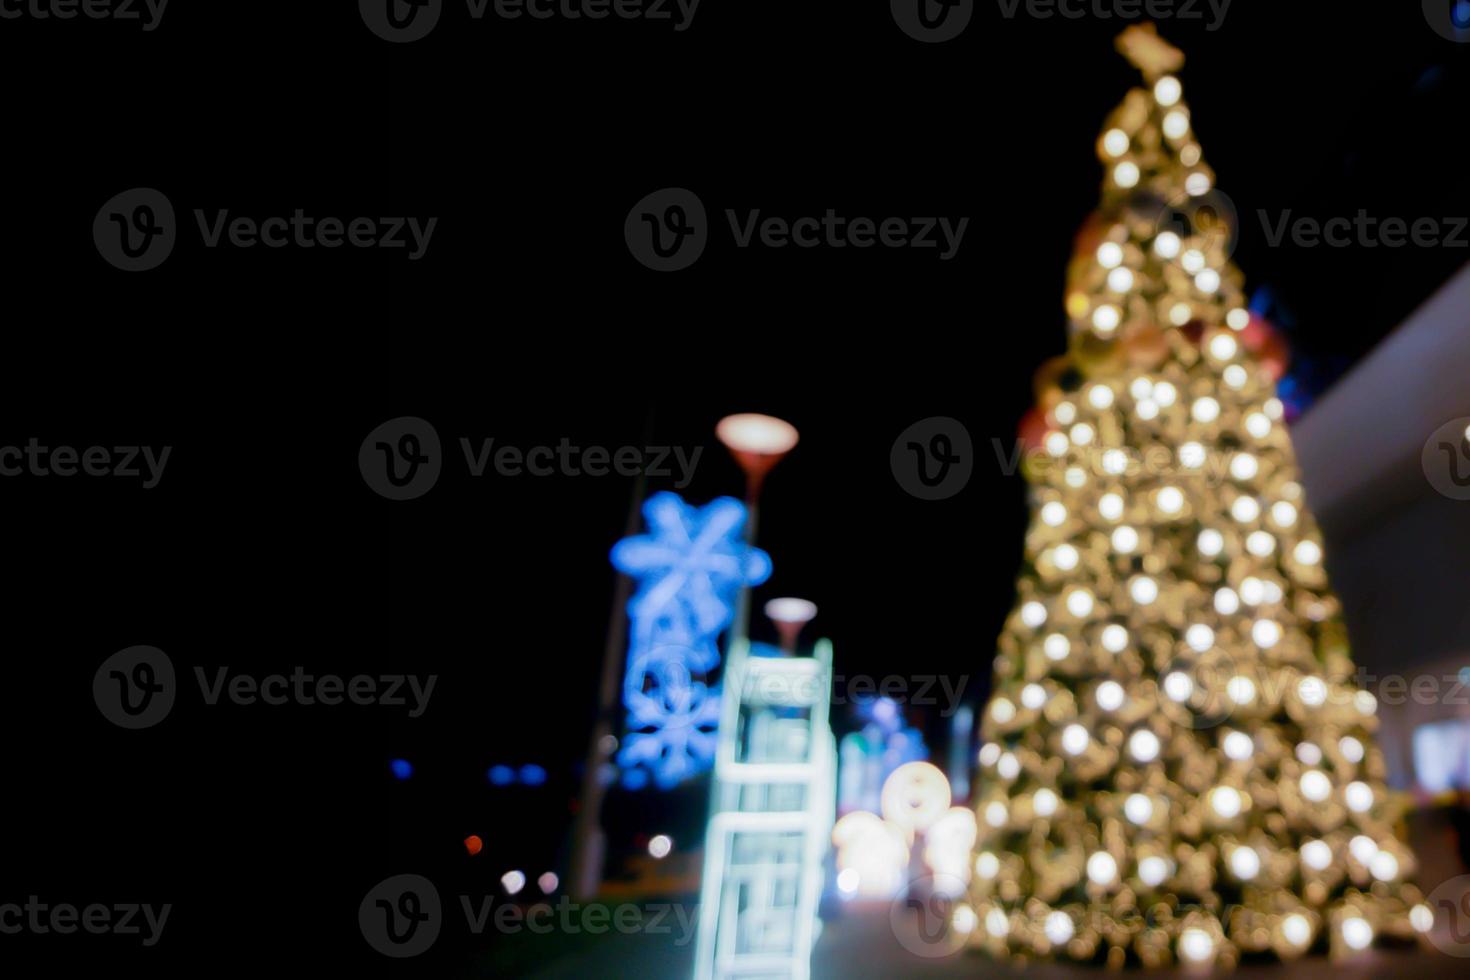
(1296, 930)
(1244, 466)
(1057, 647)
(1421, 917)
(1384, 866)
(1075, 477)
(1079, 603)
(1176, 124)
(1110, 695)
(1058, 928)
(1266, 633)
(1064, 556)
(1245, 863)
(1114, 638)
(1315, 785)
(1126, 174)
(1144, 590)
(1009, 767)
(1033, 614)
(1210, 542)
(1365, 702)
(1115, 142)
(1208, 281)
(1223, 347)
(1358, 797)
(513, 882)
(1167, 245)
(1316, 855)
(1171, 500)
(1053, 513)
(1056, 444)
(1253, 591)
(1238, 746)
(1180, 314)
(1033, 696)
(1357, 933)
(1102, 869)
(1283, 514)
(1205, 410)
(1120, 280)
(1226, 802)
(1227, 603)
(1245, 509)
(1178, 686)
(1307, 552)
(1363, 849)
(987, 865)
(659, 845)
(1193, 261)
(1110, 506)
(1257, 425)
(1109, 255)
(1165, 393)
(1238, 319)
(1153, 870)
(1082, 434)
(1241, 690)
(1308, 753)
(1191, 455)
(997, 924)
(1143, 745)
(1002, 710)
(1075, 739)
(1065, 413)
(848, 880)
(1148, 409)
(1261, 543)
(1235, 376)
(1199, 637)
(1274, 409)
(1312, 691)
(1141, 388)
(1115, 462)
(1125, 540)
(1196, 946)
(1044, 803)
(1197, 184)
(995, 814)
(1100, 396)
(989, 753)
(1105, 318)
(1138, 809)
(1167, 91)
(1351, 749)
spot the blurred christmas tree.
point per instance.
(1176, 762)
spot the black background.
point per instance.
(528, 321)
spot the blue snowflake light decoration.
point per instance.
(690, 567)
